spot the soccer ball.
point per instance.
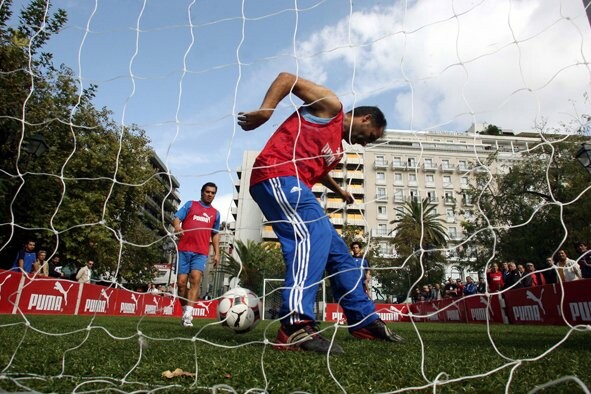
(239, 310)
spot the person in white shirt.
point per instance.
(568, 269)
(85, 273)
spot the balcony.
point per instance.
(398, 165)
(449, 200)
(381, 197)
(380, 164)
(412, 166)
(399, 198)
(355, 175)
(382, 233)
(429, 167)
(446, 167)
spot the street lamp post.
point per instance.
(583, 155)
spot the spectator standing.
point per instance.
(568, 269)
(450, 289)
(363, 264)
(40, 266)
(470, 288)
(551, 273)
(425, 293)
(535, 278)
(521, 270)
(436, 292)
(460, 290)
(300, 153)
(25, 258)
(494, 277)
(505, 270)
(196, 223)
(85, 273)
(584, 259)
(481, 288)
(55, 268)
(512, 277)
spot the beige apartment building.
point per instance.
(403, 165)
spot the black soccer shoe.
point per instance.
(305, 337)
(377, 329)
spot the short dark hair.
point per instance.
(209, 184)
(378, 118)
(356, 243)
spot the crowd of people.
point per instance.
(510, 275)
(34, 262)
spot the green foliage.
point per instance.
(84, 197)
(256, 261)
(528, 212)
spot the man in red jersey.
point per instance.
(302, 152)
(494, 277)
(195, 223)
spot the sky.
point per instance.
(182, 70)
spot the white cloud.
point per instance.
(504, 62)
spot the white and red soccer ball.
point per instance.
(239, 310)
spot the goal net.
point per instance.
(115, 113)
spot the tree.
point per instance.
(256, 261)
(541, 204)
(419, 237)
(84, 198)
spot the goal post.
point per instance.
(272, 289)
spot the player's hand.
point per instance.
(216, 260)
(347, 197)
(252, 120)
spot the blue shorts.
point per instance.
(189, 261)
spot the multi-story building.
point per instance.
(401, 166)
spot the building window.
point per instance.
(380, 160)
(429, 180)
(412, 179)
(449, 214)
(448, 196)
(398, 195)
(412, 162)
(447, 181)
(398, 179)
(382, 229)
(380, 178)
(464, 182)
(380, 193)
(452, 232)
(432, 196)
(414, 195)
(382, 211)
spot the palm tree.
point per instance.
(419, 229)
(255, 262)
(419, 225)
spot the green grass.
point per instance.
(123, 354)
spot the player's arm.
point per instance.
(178, 226)
(329, 182)
(215, 242)
(321, 101)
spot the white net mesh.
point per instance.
(175, 74)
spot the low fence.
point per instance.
(547, 304)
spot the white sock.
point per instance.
(189, 311)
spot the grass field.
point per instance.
(122, 354)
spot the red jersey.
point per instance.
(198, 224)
(495, 281)
(302, 149)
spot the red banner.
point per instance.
(48, 296)
(480, 307)
(534, 305)
(387, 312)
(577, 302)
